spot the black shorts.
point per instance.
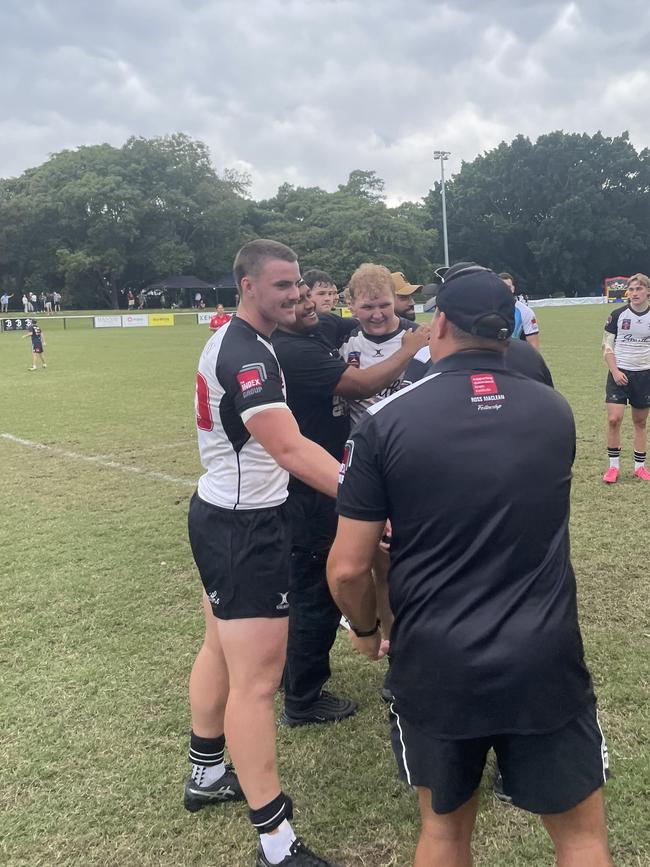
(37, 347)
(636, 392)
(243, 559)
(548, 773)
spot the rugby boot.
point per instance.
(642, 473)
(224, 789)
(299, 856)
(611, 476)
(326, 708)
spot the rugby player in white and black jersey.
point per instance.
(380, 332)
(372, 300)
(249, 443)
(626, 349)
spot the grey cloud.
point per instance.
(307, 90)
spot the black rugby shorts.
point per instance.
(243, 558)
(545, 774)
(636, 392)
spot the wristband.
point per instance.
(366, 633)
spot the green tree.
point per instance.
(98, 219)
(560, 213)
(339, 231)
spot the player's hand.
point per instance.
(619, 377)
(370, 646)
(414, 341)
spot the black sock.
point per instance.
(206, 751)
(267, 818)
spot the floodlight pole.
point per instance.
(442, 156)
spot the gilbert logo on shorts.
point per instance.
(483, 383)
(251, 378)
(283, 604)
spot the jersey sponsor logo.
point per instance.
(283, 604)
(483, 383)
(354, 358)
(486, 392)
(626, 324)
(251, 379)
(346, 461)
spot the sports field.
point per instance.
(101, 620)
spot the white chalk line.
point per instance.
(97, 461)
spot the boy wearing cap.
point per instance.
(404, 292)
(487, 651)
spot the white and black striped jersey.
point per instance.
(238, 376)
(364, 350)
(632, 338)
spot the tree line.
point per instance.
(560, 214)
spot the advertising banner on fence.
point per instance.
(158, 319)
(108, 321)
(135, 320)
(16, 324)
(204, 318)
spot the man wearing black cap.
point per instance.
(520, 354)
(486, 648)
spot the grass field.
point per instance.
(101, 620)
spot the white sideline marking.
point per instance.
(97, 460)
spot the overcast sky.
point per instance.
(307, 90)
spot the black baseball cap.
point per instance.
(478, 302)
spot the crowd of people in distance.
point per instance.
(346, 454)
(43, 302)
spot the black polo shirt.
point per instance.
(486, 637)
(312, 368)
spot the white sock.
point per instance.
(205, 776)
(276, 846)
(614, 455)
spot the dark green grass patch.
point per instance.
(101, 620)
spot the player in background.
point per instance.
(220, 318)
(526, 327)
(38, 343)
(322, 288)
(626, 349)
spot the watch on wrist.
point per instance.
(365, 633)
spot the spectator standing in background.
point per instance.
(220, 318)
